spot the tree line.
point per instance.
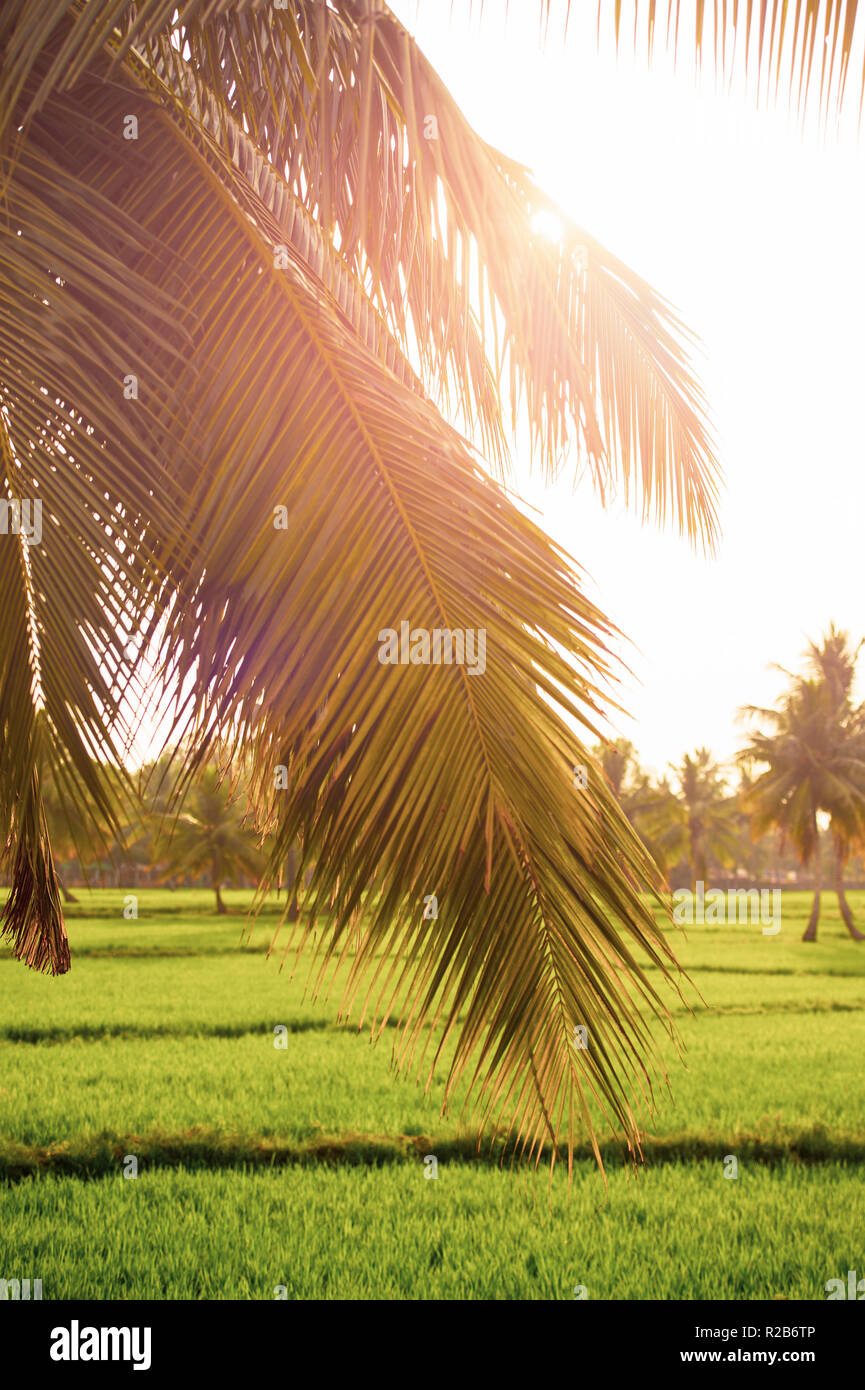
(792, 801)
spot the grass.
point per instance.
(387, 1233)
(252, 1158)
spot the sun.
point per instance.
(547, 225)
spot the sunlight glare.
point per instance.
(546, 224)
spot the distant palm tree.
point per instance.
(706, 814)
(618, 758)
(210, 837)
(834, 660)
(815, 754)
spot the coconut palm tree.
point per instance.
(250, 255)
(834, 661)
(706, 814)
(815, 757)
(210, 836)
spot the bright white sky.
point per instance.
(756, 232)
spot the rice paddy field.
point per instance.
(156, 1143)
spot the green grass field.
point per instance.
(302, 1168)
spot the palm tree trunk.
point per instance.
(842, 900)
(220, 905)
(811, 929)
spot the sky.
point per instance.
(755, 229)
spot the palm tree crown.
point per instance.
(815, 757)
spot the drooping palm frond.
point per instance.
(775, 39)
(271, 378)
(395, 494)
(71, 595)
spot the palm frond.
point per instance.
(441, 231)
(376, 486)
(265, 388)
(777, 41)
(75, 600)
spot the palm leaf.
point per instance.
(262, 389)
(570, 331)
(775, 39)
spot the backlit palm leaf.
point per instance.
(779, 41)
(273, 376)
(441, 230)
